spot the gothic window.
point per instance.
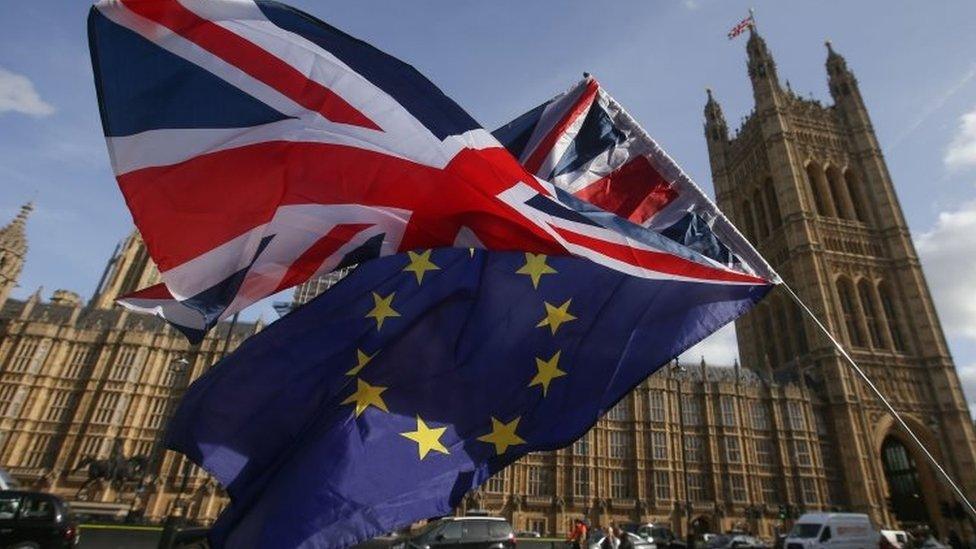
(760, 416)
(7, 395)
(37, 451)
(655, 402)
(691, 410)
(621, 445)
(662, 485)
(773, 203)
(697, 487)
(770, 490)
(25, 353)
(737, 488)
(57, 406)
(733, 452)
(857, 198)
(845, 292)
(818, 198)
(694, 445)
(765, 451)
(784, 322)
(496, 484)
(799, 328)
(894, 322)
(106, 408)
(81, 356)
(621, 411)
(762, 224)
(621, 483)
(91, 446)
(540, 481)
(808, 490)
(157, 409)
(728, 410)
(124, 361)
(797, 418)
(582, 445)
(801, 452)
(904, 488)
(747, 225)
(659, 445)
(866, 295)
(839, 192)
(581, 482)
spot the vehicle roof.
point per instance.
(475, 518)
(828, 516)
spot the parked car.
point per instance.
(8, 482)
(893, 539)
(834, 530)
(662, 536)
(596, 537)
(462, 533)
(528, 534)
(734, 541)
(36, 520)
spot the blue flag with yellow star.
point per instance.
(413, 380)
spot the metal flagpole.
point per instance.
(882, 398)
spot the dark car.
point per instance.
(35, 520)
(462, 533)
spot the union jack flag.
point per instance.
(742, 26)
(257, 146)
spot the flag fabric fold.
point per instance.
(408, 384)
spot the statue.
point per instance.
(117, 470)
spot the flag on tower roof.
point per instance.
(741, 26)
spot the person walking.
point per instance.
(577, 537)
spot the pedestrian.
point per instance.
(577, 536)
(624, 540)
(609, 541)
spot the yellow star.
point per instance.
(362, 359)
(548, 371)
(502, 435)
(535, 266)
(382, 309)
(366, 395)
(555, 316)
(427, 439)
(420, 264)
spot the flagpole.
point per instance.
(752, 17)
(891, 409)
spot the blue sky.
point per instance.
(916, 68)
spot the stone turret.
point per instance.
(13, 248)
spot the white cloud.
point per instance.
(948, 253)
(17, 94)
(962, 151)
(719, 349)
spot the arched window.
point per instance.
(857, 197)
(907, 497)
(783, 321)
(818, 197)
(747, 225)
(891, 315)
(845, 292)
(773, 203)
(761, 224)
(842, 204)
(870, 313)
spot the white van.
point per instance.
(833, 531)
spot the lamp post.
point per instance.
(178, 367)
(677, 369)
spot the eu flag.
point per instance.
(412, 381)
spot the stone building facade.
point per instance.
(703, 448)
(76, 377)
(808, 184)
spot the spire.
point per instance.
(715, 127)
(843, 85)
(761, 62)
(13, 236)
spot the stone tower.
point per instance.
(129, 269)
(807, 183)
(13, 248)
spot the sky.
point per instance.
(916, 68)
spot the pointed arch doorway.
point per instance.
(904, 487)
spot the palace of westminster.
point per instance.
(697, 447)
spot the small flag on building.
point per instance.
(742, 26)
